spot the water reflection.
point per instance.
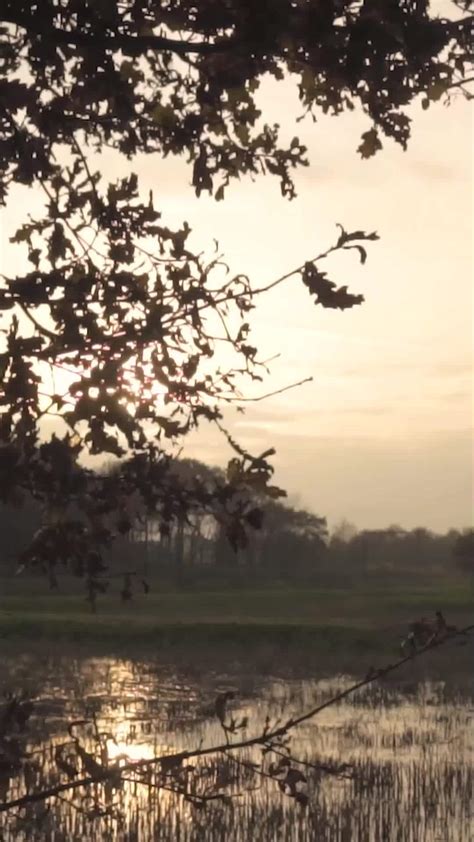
(411, 748)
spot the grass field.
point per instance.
(328, 619)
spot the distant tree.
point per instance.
(116, 302)
(18, 524)
(464, 550)
(289, 540)
(393, 553)
(344, 531)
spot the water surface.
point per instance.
(404, 750)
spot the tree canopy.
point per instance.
(180, 77)
(118, 303)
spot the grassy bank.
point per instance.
(325, 619)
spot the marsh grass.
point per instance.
(410, 744)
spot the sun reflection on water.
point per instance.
(122, 750)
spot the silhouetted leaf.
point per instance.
(370, 144)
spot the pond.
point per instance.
(391, 763)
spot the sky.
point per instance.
(384, 432)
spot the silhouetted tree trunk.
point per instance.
(179, 553)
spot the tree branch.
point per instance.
(131, 44)
(44, 331)
(369, 679)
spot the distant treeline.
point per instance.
(291, 545)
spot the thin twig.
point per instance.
(40, 328)
(373, 676)
(271, 394)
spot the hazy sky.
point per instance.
(383, 434)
